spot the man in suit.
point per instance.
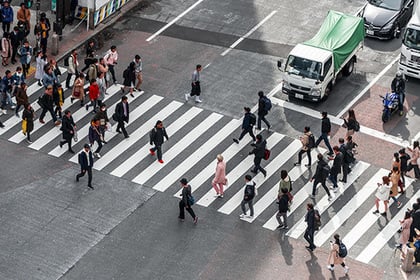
(86, 164)
(67, 127)
(121, 114)
(336, 167)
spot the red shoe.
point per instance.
(160, 161)
(152, 152)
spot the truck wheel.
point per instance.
(327, 92)
(348, 69)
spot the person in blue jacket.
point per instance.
(6, 16)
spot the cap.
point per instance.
(86, 146)
(183, 181)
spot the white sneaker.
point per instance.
(330, 198)
(13, 107)
(335, 190)
(187, 96)
(346, 269)
(197, 99)
(242, 216)
(97, 155)
(330, 268)
(29, 141)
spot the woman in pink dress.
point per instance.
(220, 177)
(405, 232)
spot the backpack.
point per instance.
(342, 250)
(66, 60)
(317, 220)
(267, 153)
(267, 104)
(311, 141)
(125, 74)
(191, 200)
(356, 126)
(325, 171)
(252, 119)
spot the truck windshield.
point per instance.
(412, 38)
(393, 5)
(303, 67)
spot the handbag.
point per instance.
(75, 135)
(76, 94)
(191, 200)
(225, 182)
(24, 126)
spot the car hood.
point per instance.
(377, 16)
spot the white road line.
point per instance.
(381, 239)
(351, 206)
(269, 197)
(249, 33)
(354, 100)
(118, 149)
(302, 194)
(368, 220)
(79, 114)
(195, 157)
(179, 147)
(323, 204)
(173, 21)
(238, 171)
(82, 132)
(143, 152)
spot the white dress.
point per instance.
(40, 63)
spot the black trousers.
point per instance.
(257, 167)
(121, 126)
(345, 168)
(45, 110)
(182, 212)
(112, 71)
(309, 236)
(14, 52)
(308, 153)
(195, 89)
(245, 131)
(158, 149)
(68, 79)
(83, 172)
(262, 118)
(316, 182)
(68, 141)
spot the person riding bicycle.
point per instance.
(398, 86)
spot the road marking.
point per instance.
(247, 34)
(173, 21)
(351, 103)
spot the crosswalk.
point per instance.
(196, 136)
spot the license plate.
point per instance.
(300, 96)
(370, 32)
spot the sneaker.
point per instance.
(346, 269)
(13, 107)
(330, 198)
(375, 212)
(87, 107)
(242, 216)
(29, 141)
(132, 95)
(296, 164)
(401, 113)
(97, 155)
(285, 227)
(280, 227)
(152, 152)
(217, 195)
(122, 89)
(160, 161)
(399, 205)
(197, 100)
(236, 140)
(330, 268)
(187, 96)
(308, 165)
(196, 220)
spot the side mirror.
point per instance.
(321, 78)
(279, 64)
(398, 34)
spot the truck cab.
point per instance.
(409, 62)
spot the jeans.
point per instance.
(99, 146)
(401, 101)
(250, 205)
(182, 207)
(262, 118)
(316, 182)
(278, 217)
(158, 149)
(324, 136)
(7, 100)
(333, 179)
(245, 131)
(83, 172)
(308, 153)
(309, 236)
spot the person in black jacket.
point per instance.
(262, 111)
(404, 157)
(28, 115)
(67, 127)
(336, 167)
(398, 86)
(259, 152)
(415, 224)
(247, 125)
(157, 136)
(310, 229)
(185, 202)
(249, 194)
(15, 40)
(121, 115)
(325, 132)
(90, 55)
(86, 164)
(283, 207)
(347, 159)
(129, 76)
(321, 174)
(47, 104)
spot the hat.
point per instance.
(86, 146)
(183, 181)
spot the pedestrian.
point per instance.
(100, 80)
(92, 72)
(285, 183)
(325, 132)
(195, 85)
(95, 136)
(21, 98)
(55, 69)
(28, 115)
(68, 128)
(58, 96)
(104, 125)
(7, 89)
(321, 174)
(336, 167)
(44, 34)
(351, 150)
(139, 68)
(397, 163)
(41, 62)
(283, 203)
(248, 123)
(26, 53)
(111, 58)
(395, 179)
(78, 91)
(103, 67)
(86, 164)
(15, 40)
(307, 140)
(259, 153)
(351, 123)
(310, 226)
(72, 69)
(185, 203)
(219, 180)
(49, 78)
(121, 115)
(415, 153)
(129, 76)
(405, 232)
(249, 194)
(157, 135)
(24, 15)
(90, 54)
(6, 49)
(18, 78)
(404, 157)
(93, 95)
(382, 194)
(264, 105)
(334, 256)
(415, 214)
(346, 159)
(7, 16)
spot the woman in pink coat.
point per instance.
(405, 232)
(333, 257)
(220, 177)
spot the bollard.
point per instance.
(54, 44)
(407, 262)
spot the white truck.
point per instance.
(312, 67)
(409, 62)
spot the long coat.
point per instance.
(67, 127)
(6, 47)
(40, 64)
(78, 88)
(29, 115)
(220, 175)
(333, 257)
(21, 96)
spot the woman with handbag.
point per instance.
(28, 116)
(95, 136)
(351, 123)
(220, 176)
(285, 183)
(187, 200)
(78, 91)
(382, 194)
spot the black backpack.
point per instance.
(342, 250)
(267, 104)
(125, 74)
(252, 119)
(311, 141)
(317, 220)
(66, 60)
(356, 126)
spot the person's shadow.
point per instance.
(315, 271)
(286, 248)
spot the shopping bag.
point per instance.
(24, 126)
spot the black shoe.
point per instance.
(71, 151)
(236, 140)
(253, 171)
(296, 163)
(71, 100)
(77, 178)
(132, 95)
(375, 212)
(309, 248)
(308, 165)
(61, 144)
(344, 181)
(90, 186)
(127, 136)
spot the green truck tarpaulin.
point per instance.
(340, 34)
